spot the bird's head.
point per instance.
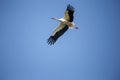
(54, 18)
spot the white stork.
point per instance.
(65, 23)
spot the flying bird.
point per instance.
(65, 23)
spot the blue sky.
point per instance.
(90, 53)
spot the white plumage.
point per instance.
(65, 23)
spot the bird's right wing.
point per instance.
(59, 31)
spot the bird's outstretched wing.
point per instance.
(68, 15)
(59, 31)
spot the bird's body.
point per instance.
(65, 23)
(69, 24)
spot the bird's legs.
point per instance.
(76, 27)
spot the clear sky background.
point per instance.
(90, 53)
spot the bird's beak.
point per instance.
(52, 18)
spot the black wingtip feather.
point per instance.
(70, 8)
(51, 40)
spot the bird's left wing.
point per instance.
(68, 15)
(59, 31)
